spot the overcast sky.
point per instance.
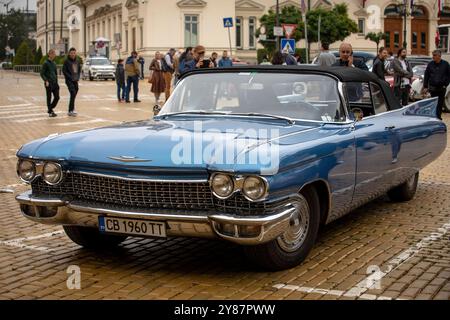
(17, 4)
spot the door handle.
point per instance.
(389, 127)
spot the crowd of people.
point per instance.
(165, 70)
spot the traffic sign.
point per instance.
(278, 31)
(227, 22)
(289, 29)
(288, 45)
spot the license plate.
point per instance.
(132, 227)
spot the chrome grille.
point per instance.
(145, 194)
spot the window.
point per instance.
(126, 40)
(423, 40)
(387, 40)
(141, 29)
(361, 26)
(414, 39)
(251, 32)
(396, 39)
(378, 99)
(239, 32)
(190, 30)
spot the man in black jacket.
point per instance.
(50, 76)
(71, 71)
(379, 64)
(436, 80)
(346, 58)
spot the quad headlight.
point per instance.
(26, 170)
(222, 185)
(254, 188)
(52, 173)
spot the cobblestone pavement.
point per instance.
(408, 244)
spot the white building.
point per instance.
(156, 25)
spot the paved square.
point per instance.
(383, 250)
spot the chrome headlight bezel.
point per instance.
(56, 166)
(213, 181)
(19, 170)
(263, 186)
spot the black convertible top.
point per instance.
(344, 74)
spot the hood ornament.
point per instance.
(129, 159)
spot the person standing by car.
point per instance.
(402, 77)
(213, 59)
(72, 70)
(120, 81)
(132, 74)
(157, 78)
(50, 77)
(198, 60)
(325, 58)
(225, 61)
(167, 69)
(436, 79)
(379, 64)
(346, 58)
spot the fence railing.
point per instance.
(34, 68)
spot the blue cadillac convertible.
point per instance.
(259, 156)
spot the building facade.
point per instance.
(116, 27)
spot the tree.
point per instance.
(24, 55)
(335, 24)
(38, 56)
(16, 26)
(376, 37)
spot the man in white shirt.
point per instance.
(325, 58)
(168, 69)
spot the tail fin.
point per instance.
(426, 108)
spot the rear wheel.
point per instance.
(92, 238)
(406, 190)
(293, 246)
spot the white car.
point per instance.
(98, 68)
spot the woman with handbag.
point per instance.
(156, 77)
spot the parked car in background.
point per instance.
(260, 156)
(366, 57)
(98, 67)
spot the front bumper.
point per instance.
(245, 230)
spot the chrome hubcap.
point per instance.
(293, 238)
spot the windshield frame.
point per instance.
(339, 87)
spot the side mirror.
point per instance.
(358, 114)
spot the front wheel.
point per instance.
(92, 238)
(406, 190)
(293, 246)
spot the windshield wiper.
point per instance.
(161, 116)
(257, 114)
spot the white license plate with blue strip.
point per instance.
(132, 226)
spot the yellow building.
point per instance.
(116, 27)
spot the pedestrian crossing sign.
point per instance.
(288, 45)
(227, 22)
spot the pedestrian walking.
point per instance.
(325, 58)
(436, 79)
(120, 81)
(225, 61)
(167, 64)
(72, 70)
(50, 76)
(157, 77)
(132, 73)
(402, 77)
(141, 61)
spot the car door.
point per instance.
(375, 144)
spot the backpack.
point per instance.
(164, 66)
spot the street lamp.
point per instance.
(405, 9)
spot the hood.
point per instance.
(210, 143)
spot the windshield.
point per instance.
(296, 96)
(100, 62)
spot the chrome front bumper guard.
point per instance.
(178, 223)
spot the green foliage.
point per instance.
(24, 55)
(38, 56)
(17, 26)
(376, 37)
(336, 25)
